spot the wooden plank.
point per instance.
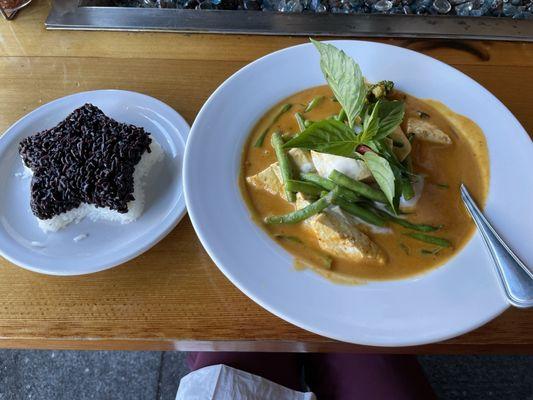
(261, 345)
(511, 85)
(174, 297)
(28, 82)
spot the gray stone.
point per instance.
(173, 368)
(509, 10)
(80, 375)
(480, 377)
(270, 5)
(464, 9)
(383, 5)
(442, 6)
(294, 6)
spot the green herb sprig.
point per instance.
(338, 136)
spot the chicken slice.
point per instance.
(326, 163)
(338, 236)
(425, 130)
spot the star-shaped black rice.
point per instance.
(87, 158)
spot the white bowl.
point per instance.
(453, 299)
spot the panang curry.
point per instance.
(360, 181)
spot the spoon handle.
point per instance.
(517, 279)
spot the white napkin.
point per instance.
(219, 382)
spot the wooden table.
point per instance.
(174, 297)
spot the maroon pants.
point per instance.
(333, 376)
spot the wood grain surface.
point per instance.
(173, 296)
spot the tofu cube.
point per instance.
(425, 130)
(338, 236)
(326, 163)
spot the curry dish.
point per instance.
(364, 192)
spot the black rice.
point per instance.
(86, 158)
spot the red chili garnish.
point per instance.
(362, 149)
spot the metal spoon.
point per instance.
(516, 278)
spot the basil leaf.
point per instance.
(370, 124)
(390, 116)
(373, 145)
(326, 136)
(344, 77)
(397, 186)
(382, 173)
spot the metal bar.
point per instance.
(66, 14)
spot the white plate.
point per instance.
(451, 300)
(108, 244)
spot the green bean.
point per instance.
(261, 139)
(303, 187)
(358, 187)
(360, 212)
(329, 185)
(287, 136)
(303, 213)
(307, 123)
(290, 238)
(301, 121)
(405, 249)
(430, 239)
(433, 252)
(410, 225)
(407, 224)
(325, 260)
(283, 109)
(318, 180)
(313, 103)
(407, 189)
(284, 164)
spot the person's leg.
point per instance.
(282, 368)
(366, 377)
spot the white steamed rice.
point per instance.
(135, 207)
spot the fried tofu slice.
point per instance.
(301, 159)
(338, 236)
(425, 130)
(335, 231)
(270, 179)
(326, 163)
